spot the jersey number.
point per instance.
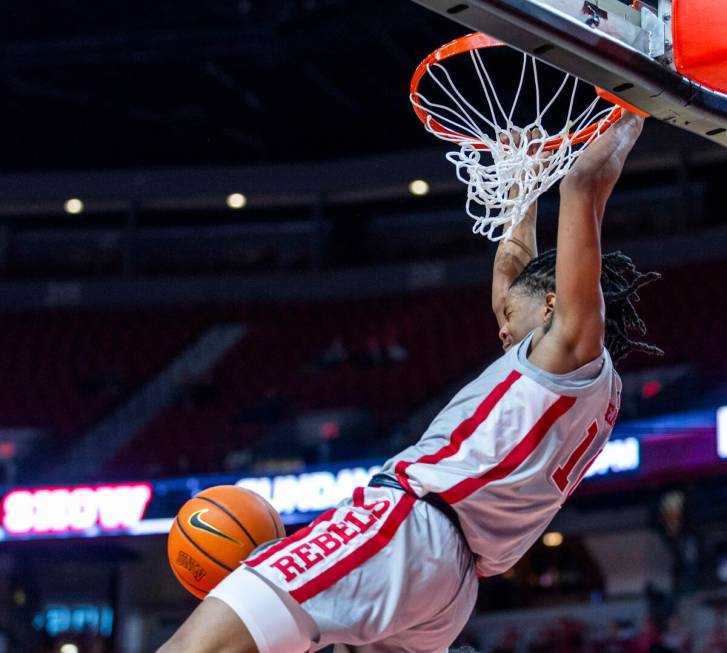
(562, 474)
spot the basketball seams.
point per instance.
(243, 509)
(199, 548)
(231, 516)
(269, 510)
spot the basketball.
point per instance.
(215, 531)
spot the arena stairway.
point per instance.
(102, 441)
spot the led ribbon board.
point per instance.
(148, 508)
(722, 432)
(88, 510)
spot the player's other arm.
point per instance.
(577, 330)
(512, 256)
(514, 253)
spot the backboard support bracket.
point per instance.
(626, 52)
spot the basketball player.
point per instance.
(394, 568)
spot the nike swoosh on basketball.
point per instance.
(196, 521)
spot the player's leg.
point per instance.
(212, 628)
(245, 613)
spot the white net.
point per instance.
(504, 167)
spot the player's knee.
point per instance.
(169, 647)
(211, 628)
(183, 643)
(174, 645)
(180, 643)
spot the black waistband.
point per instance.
(434, 500)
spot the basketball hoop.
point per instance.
(526, 161)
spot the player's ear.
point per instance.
(548, 306)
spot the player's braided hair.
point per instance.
(620, 283)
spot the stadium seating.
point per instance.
(447, 335)
(671, 308)
(438, 332)
(65, 369)
(568, 635)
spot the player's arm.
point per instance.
(577, 331)
(512, 255)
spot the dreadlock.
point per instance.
(620, 282)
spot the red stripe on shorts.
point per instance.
(357, 501)
(465, 429)
(518, 454)
(360, 555)
(271, 551)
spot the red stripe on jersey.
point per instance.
(358, 497)
(462, 432)
(289, 540)
(360, 555)
(583, 473)
(518, 454)
(562, 474)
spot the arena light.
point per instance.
(553, 539)
(68, 648)
(7, 450)
(74, 206)
(236, 200)
(72, 619)
(722, 432)
(651, 388)
(419, 187)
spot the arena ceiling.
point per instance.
(89, 84)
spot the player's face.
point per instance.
(523, 313)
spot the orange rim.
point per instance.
(610, 97)
(479, 41)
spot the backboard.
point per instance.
(628, 50)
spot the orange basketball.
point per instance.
(215, 531)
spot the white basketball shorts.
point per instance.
(382, 572)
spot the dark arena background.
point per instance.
(231, 254)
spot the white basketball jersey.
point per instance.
(510, 447)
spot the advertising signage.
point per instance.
(148, 508)
(84, 509)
